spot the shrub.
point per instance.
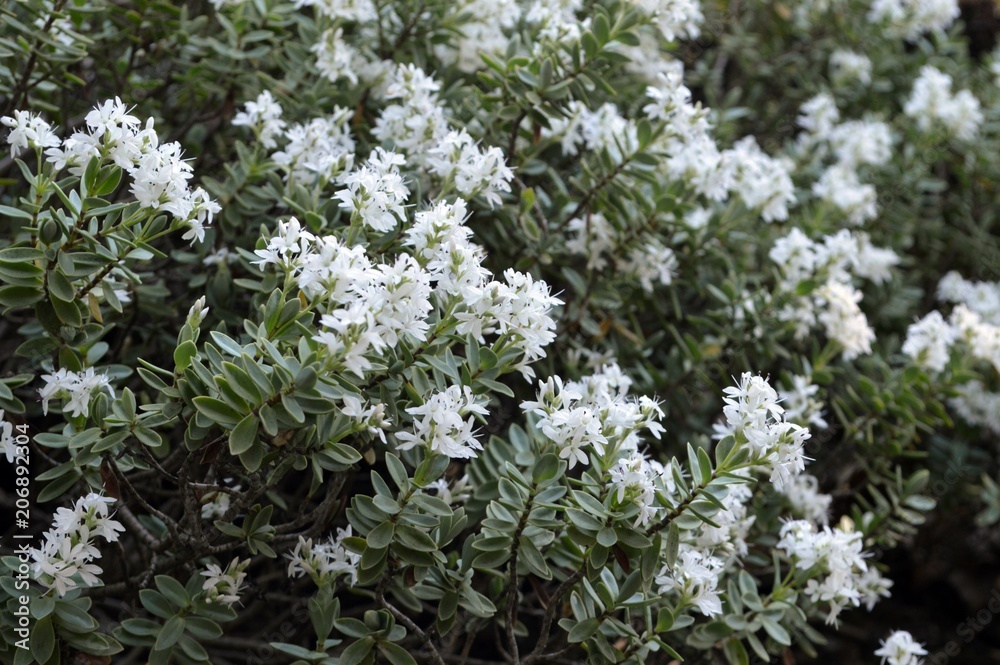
(528, 332)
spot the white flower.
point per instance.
(375, 192)
(800, 403)
(803, 493)
(457, 159)
(834, 558)
(416, 121)
(335, 57)
(197, 313)
(901, 649)
(851, 66)
(443, 427)
(932, 103)
(324, 562)
(845, 323)
(223, 586)
(633, 480)
(928, 341)
(264, 116)
(670, 96)
(8, 443)
(753, 415)
(372, 419)
(819, 115)
(651, 262)
(216, 504)
(839, 185)
(77, 386)
(456, 493)
(63, 562)
(675, 18)
(319, 150)
(911, 18)
(28, 130)
(764, 183)
(859, 142)
(695, 577)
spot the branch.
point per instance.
(435, 656)
(550, 612)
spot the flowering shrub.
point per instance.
(524, 331)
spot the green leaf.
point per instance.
(396, 654)
(202, 628)
(706, 466)
(20, 296)
(430, 469)
(583, 630)
(60, 287)
(415, 539)
(252, 458)
(672, 545)
(664, 620)
(156, 603)
(607, 536)
(293, 408)
(380, 537)
(735, 652)
(397, 471)
(19, 254)
(184, 354)
(173, 590)
(19, 214)
(217, 410)
(775, 630)
(244, 435)
(171, 632)
(108, 181)
(547, 468)
(357, 652)
(43, 640)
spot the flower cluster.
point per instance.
(64, 561)
(375, 192)
(800, 403)
(223, 586)
(649, 261)
(372, 307)
(911, 18)
(453, 493)
(324, 562)
(593, 416)
(835, 557)
(850, 66)
(834, 304)
(443, 427)
(971, 325)
(762, 182)
(853, 144)
(932, 104)
(458, 160)
(159, 175)
(901, 649)
(263, 116)
(76, 387)
(754, 416)
(695, 578)
(802, 492)
(8, 445)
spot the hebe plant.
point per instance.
(498, 346)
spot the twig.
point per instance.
(550, 612)
(435, 656)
